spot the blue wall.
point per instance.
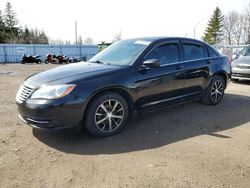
(12, 53)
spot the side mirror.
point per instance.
(234, 57)
(151, 63)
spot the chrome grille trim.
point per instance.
(24, 92)
(242, 66)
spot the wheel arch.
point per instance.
(223, 75)
(115, 89)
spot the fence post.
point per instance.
(80, 47)
(4, 54)
(60, 50)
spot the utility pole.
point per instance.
(76, 31)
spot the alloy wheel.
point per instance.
(217, 91)
(109, 115)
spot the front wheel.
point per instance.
(106, 115)
(214, 91)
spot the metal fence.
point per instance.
(230, 49)
(12, 53)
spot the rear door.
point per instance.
(194, 67)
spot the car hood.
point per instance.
(77, 70)
(243, 60)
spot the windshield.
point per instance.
(245, 51)
(121, 53)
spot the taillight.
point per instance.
(229, 59)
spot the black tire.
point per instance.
(22, 62)
(39, 61)
(100, 123)
(46, 62)
(214, 91)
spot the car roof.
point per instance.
(155, 39)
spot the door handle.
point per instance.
(210, 61)
(178, 67)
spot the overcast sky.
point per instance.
(101, 19)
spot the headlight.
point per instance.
(53, 92)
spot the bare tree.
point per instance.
(228, 26)
(238, 27)
(117, 36)
(246, 25)
(89, 41)
(79, 40)
(56, 42)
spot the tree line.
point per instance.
(11, 33)
(230, 29)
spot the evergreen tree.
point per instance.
(11, 33)
(10, 19)
(213, 33)
(11, 22)
(2, 29)
(25, 36)
(43, 39)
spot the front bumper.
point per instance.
(241, 74)
(51, 114)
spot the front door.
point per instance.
(162, 85)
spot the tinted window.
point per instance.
(166, 54)
(247, 52)
(212, 52)
(192, 51)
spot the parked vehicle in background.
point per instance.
(241, 65)
(102, 46)
(77, 59)
(50, 58)
(56, 59)
(31, 59)
(63, 59)
(127, 78)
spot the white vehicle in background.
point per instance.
(241, 65)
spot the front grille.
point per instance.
(242, 66)
(24, 92)
(241, 75)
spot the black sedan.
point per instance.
(127, 78)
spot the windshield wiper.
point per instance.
(97, 61)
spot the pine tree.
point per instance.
(11, 22)
(213, 33)
(2, 29)
(10, 19)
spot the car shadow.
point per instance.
(156, 129)
(242, 82)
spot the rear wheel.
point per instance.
(215, 91)
(106, 115)
(39, 61)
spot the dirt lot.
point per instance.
(192, 145)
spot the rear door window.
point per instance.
(193, 52)
(212, 52)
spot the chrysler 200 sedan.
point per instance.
(127, 78)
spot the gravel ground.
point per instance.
(191, 145)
